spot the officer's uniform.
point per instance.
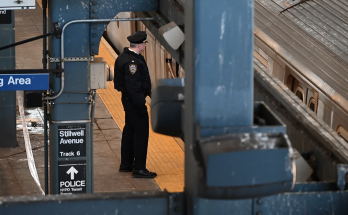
(132, 78)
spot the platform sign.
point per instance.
(5, 17)
(72, 177)
(17, 4)
(72, 140)
(12, 82)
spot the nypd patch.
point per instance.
(132, 68)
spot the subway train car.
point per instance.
(304, 44)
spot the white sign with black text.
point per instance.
(72, 141)
(5, 17)
(72, 177)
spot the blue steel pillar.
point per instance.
(7, 98)
(71, 114)
(77, 93)
(219, 82)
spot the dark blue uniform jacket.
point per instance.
(132, 76)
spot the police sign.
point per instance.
(72, 177)
(5, 17)
(13, 82)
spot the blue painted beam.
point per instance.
(303, 203)
(7, 99)
(223, 53)
(145, 203)
(289, 203)
(223, 206)
(219, 77)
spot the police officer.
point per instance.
(133, 80)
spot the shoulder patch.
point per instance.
(132, 68)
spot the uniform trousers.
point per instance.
(135, 134)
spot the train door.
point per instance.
(161, 66)
(278, 71)
(117, 32)
(324, 112)
(262, 60)
(269, 59)
(139, 26)
(150, 59)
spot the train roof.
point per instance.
(313, 34)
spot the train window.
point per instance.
(290, 81)
(311, 104)
(299, 93)
(342, 133)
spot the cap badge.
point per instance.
(132, 68)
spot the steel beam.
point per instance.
(146, 203)
(221, 63)
(7, 99)
(219, 77)
(303, 203)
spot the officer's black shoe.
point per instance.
(126, 168)
(143, 173)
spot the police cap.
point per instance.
(138, 37)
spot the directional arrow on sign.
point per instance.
(72, 171)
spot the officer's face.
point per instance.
(142, 47)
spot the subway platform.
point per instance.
(165, 156)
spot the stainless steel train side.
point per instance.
(298, 48)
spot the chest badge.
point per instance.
(132, 68)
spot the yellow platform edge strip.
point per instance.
(164, 157)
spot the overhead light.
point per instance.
(172, 34)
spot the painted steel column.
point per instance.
(219, 74)
(223, 82)
(70, 163)
(7, 98)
